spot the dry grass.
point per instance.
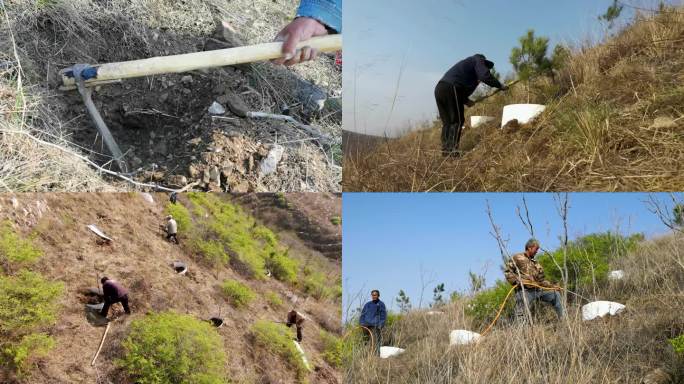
(622, 349)
(597, 133)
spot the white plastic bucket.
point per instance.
(386, 352)
(462, 337)
(524, 113)
(601, 308)
(476, 121)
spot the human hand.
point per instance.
(300, 29)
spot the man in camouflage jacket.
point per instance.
(521, 269)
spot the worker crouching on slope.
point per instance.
(522, 268)
(297, 319)
(451, 94)
(113, 293)
(171, 229)
(373, 317)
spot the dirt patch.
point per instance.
(162, 123)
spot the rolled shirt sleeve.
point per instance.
(328, 12)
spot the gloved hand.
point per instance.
(300, 29)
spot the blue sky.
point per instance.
(428, 37)
(388, 238)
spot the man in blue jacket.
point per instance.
(452, 93)
(373, 317)
(314, 18)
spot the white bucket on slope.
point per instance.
(616, 275)
(462, 337)
(524, 113)
(476, 121)
(386, 352)
(601, 308)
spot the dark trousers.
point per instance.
(172, 236)
(450, 103)
(123, 300)
(300, 328)
(377, 337)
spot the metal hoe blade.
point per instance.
(107, 137)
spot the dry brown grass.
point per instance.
(622, 349)
(597, 133)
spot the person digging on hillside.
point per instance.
(451, 94)
(297, 319)
(373, 317)
(171, 229)
(314, 18)
(113, 292)
(521, 269)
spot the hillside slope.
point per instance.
(613, 123)
(626, 348)
(141, 259)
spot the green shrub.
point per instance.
(27, 302)
(181, 215)
(316, 284)
(265, 234)
(678, 345)
(336, 220)
(31, 347)
(484, 305)
(332, 348)
(588, 258)
(211, 250)
(173, 348)
(274, 299)
(277, 339)
(239, 294)
(282, 267)
(16, 251)
(249, 244)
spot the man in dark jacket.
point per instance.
(373, 317)
(113, 292)
(297, 319)
(452, 93)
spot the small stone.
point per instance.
(136, 162)
(206, 177)
(178, 180)
(663, 123)
(262, 151)
(186, 91)
(187, 79)
(235, 104)
(193, 171)
(195, 141)
(214, 187)
(216, 109)
(163, 97)
(15, 202)
(270, 163)
(226, 171)
(214, 174)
